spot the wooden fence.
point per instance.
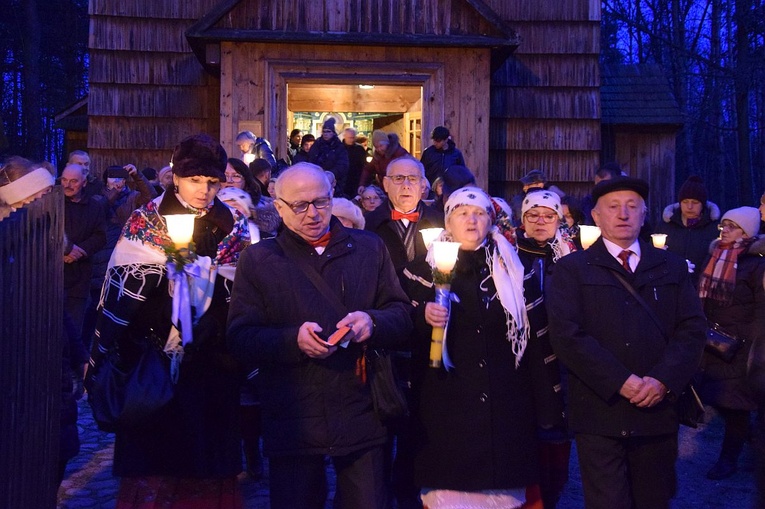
(31, 317)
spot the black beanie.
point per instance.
(199, 155)
(693, 189)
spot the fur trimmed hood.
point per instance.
(711, 207)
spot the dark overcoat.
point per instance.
(314, 406)
(603, 335)
(690, 242)
(724, 384)
(478, 421)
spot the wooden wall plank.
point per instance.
(146, 68)
(541, 102)
(568, 37)
(537, 70)
(558, 165)
(139, 101)
(139, 34)
(168, 9)
(544, 134)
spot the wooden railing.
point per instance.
(31, 317)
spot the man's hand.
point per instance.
(631, 387)
(310, 344)
(360, 322)
(132, 171)
(651, 394)
(75, 254)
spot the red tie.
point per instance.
(624, 256)
(411, 216)
(321, 241)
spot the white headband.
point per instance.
(24, 187)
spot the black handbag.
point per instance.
(721, 344)
(689, 407)
(387, 396)
(122, 395)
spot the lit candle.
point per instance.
(180, 229)
(248, 158)
(659, 240)
(429, 235)
(588, 235)
(445, 255)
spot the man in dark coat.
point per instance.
(330, 153)
(441, 154)
(357, 158)
(313, 398)
(399, 223)
(85, 229)
(626, 370)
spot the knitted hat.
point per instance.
(533, 177)
(440, 133)
(24, 187)
(379, 136)
(542, 199)
(457, 176)
(329, 124)
(748, 218)
(693, 189)
(342, 207)
(620, 184)
(199, 155)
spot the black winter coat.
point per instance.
(437, 161)
(331, 156)
(478, 421)
(602, 335)
(196, 435)
(85, 226)
(314, 406)
(724, 384)
(357, 158)
(690, 243)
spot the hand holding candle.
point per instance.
(444, 259)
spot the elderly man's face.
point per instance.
(73, 182)
(82, 160)
(403, 195)
(620, 216)
(298, 188)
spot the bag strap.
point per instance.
(641, 301)
(315, 278)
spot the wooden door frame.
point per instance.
(278, 73)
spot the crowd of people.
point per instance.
(546, 339)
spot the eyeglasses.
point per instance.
(533, 217)
(300, 207)
(399, 179)
(234, 178)
(728, 226)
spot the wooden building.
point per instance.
(641, 119)
(517, 83)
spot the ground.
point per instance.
(88, 483)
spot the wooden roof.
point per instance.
(637, 95)
(422, 23)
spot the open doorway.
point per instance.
(365, 107)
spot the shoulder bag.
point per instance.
(121, 395)
(722, 344)
(388, 399)
(690, 409)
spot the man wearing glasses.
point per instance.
(398, 223)
(290, 293)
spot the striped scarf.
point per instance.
(718, 280)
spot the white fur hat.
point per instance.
(24, 187)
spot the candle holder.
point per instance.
(444, 259)
(659, 240)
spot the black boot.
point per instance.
(727, 464)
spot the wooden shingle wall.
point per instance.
(383, 17)
(147, 89)
(545, 99)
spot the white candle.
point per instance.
(445, 255)
(588, 235)
(180, 228)
(429, 235)
(659, 240)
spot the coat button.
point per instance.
(483, 397)
(350, 245)
(482, 363)
(624, 433)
